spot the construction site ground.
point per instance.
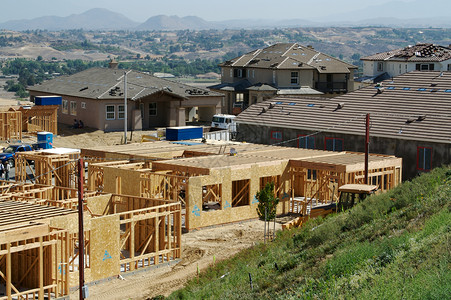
(201, 249)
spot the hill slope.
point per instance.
(392, 246)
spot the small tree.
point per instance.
(267, 201)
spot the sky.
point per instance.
(210, 10)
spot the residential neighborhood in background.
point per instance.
(282, 69)
(419, 57)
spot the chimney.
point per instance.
(113, 64)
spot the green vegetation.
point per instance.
(33, 72)
(267, 202)
(391, 246)
(174, 65)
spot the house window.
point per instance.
(449, 67)
(231, 73)
(83, 105)
(152, 109)
(306, 142)
(239, 97)
(274, 77)
(334, 144)
(73, 108)
(294, 77)
(110, 112)
(276, 135)
(120, 112)
(64, 107)
(239, 73)
(424, 158)
(425, 67)
(253, 72)
(380, 67)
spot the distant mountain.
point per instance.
(94, 19)
(163, 22)
(391, 14)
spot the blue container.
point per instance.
(45, 140)
(48, 100)
(183, 133)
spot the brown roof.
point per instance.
(415, 106)
(290, 56)
(419, 52)
(106, 83)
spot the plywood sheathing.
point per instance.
(309, 174)
(10, 125)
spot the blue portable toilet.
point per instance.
(45, 139)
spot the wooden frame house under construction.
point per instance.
(216, 188)
(39, 238)
(30, 119)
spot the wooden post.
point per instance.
(367, 143)
(41, 269)
(8, 270)
(81, 244)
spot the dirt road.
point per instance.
(200, 248)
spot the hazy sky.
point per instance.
(211, 10)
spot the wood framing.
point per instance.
(216, 188)
(10, 125)
(40, 118)
(122, 233)
(47, 167)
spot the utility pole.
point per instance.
(81, 240)
(367, 144)
(125, 107)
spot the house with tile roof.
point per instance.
(96, 96)
(282, 69)
(419, 57)
(410, 118)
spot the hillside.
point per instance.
(391, 246)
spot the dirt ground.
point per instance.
(200, 248)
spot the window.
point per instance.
(64, 107)
(120, 112)
(239, 73)
(276, 135)
(239, 97)
(240, 193)
(449, 67)
(274, 77)
(425, 67)
(231, 72)
(424, 158)
(152, 109)
(294, 77)
(73, 108)
(380, 67)
(110, 112)
(306, 142)
(334, 144)
(253, 72)
(83, 105)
